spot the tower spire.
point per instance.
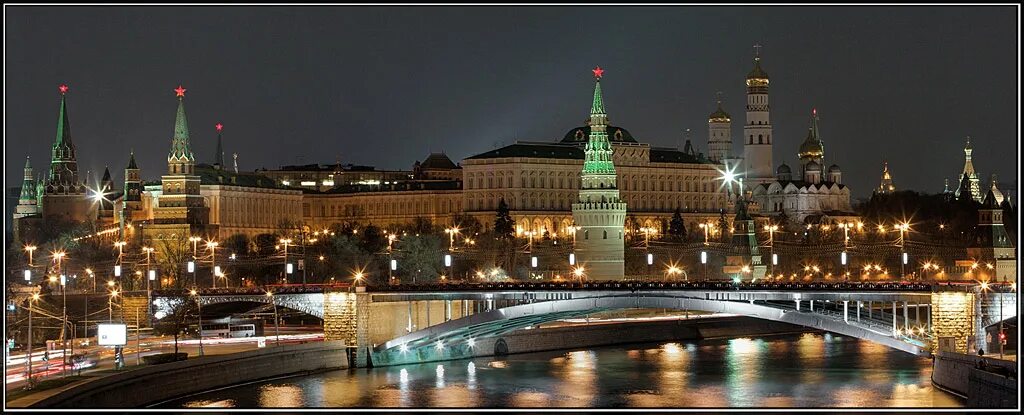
(180, 159)
(63, 161)
(599, 212)
(974, 183)
(218, 157)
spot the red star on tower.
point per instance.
(63, 88)
(180, 91)
(219, 127)
(598, 72)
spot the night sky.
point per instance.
(386, 86)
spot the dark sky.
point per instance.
(384, 86)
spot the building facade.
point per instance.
(813, 193)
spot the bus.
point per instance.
(235, 328)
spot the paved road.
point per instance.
(102, 357)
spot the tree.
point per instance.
(172, 253)
(180, 308)
(676, 228)
(504, 226)
(237, 243)
(420, 257)
(467, 224)
(723, 227)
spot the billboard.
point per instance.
(111, 334)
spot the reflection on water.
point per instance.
(808, 370)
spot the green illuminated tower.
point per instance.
(599, 214)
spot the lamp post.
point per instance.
(771, 243)
(286, 241)
(451, 237)
(578, 273)
(33, 299)
(212, 245)
(277, 329)
(199, 304)
(902, 227)
(30, 249)
(392, 265)
(707, 227)
(110, 303)
(64, 326)
(704, 261)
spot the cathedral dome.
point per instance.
(582, 134)
(784, 169)
(757, 72)
(812, 166)
(811, 147)
(719, 115)
(834, 169)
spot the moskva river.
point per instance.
(802, 370)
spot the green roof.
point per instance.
(209, 175)
(537, 150)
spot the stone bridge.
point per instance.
(408, 324)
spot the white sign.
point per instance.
(191, 266)
(447, 260)
(394, 265)
(261, 342)
(117, 270)
(572, 259)
(28, 275)
(152, 275)
(703, 257)
(288, 268)
(650, 259)
(111, 334)
(843, 257)
(775, 259)
(533, 262)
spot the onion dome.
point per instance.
(757, 72)
(719, 115)
(783, 169)
(834, 169)
(812, 166)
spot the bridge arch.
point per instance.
(475, 335)
(307, 303)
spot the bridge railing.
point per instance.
(662, 285)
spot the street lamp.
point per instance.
(704, 261)
(771, 229)
(277, 329)
(195, 240)
(30, 249)
(287, 266)
(578, 273)
(707, 227)
(212, 246)
(148, 251)
(32, 300)
(673, 270)
(199, 304)
(903, 228)
(451, 237)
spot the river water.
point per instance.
(800, 370)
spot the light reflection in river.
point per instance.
(807, 370)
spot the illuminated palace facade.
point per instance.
(538, 180)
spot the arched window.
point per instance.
(760, 139)
(605, 234)
(586, 234)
